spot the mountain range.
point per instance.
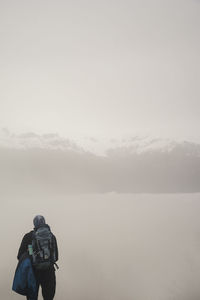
(100, 147)
(127, 165)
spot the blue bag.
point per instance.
(24, 282)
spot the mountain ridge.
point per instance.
(99, 147)
(48, 162)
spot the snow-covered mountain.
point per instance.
(32, 140)
(98, 146)
(126, 165)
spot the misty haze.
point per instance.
(99, 132)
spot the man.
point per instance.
(45, 277)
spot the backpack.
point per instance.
(44, 249)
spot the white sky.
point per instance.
(104, 67)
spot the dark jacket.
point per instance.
(24, 282)
(27, 240)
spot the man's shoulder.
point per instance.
(28, 235)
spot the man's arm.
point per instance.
(24, 245)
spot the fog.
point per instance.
(100, 67)
(111, 246)
(127, 223)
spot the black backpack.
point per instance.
(44, 248)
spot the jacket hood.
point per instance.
(38, 221)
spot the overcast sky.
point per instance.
(108, 67)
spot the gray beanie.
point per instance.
(38, 221)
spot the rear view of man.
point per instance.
(41, 245)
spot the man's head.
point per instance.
(38, 221)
